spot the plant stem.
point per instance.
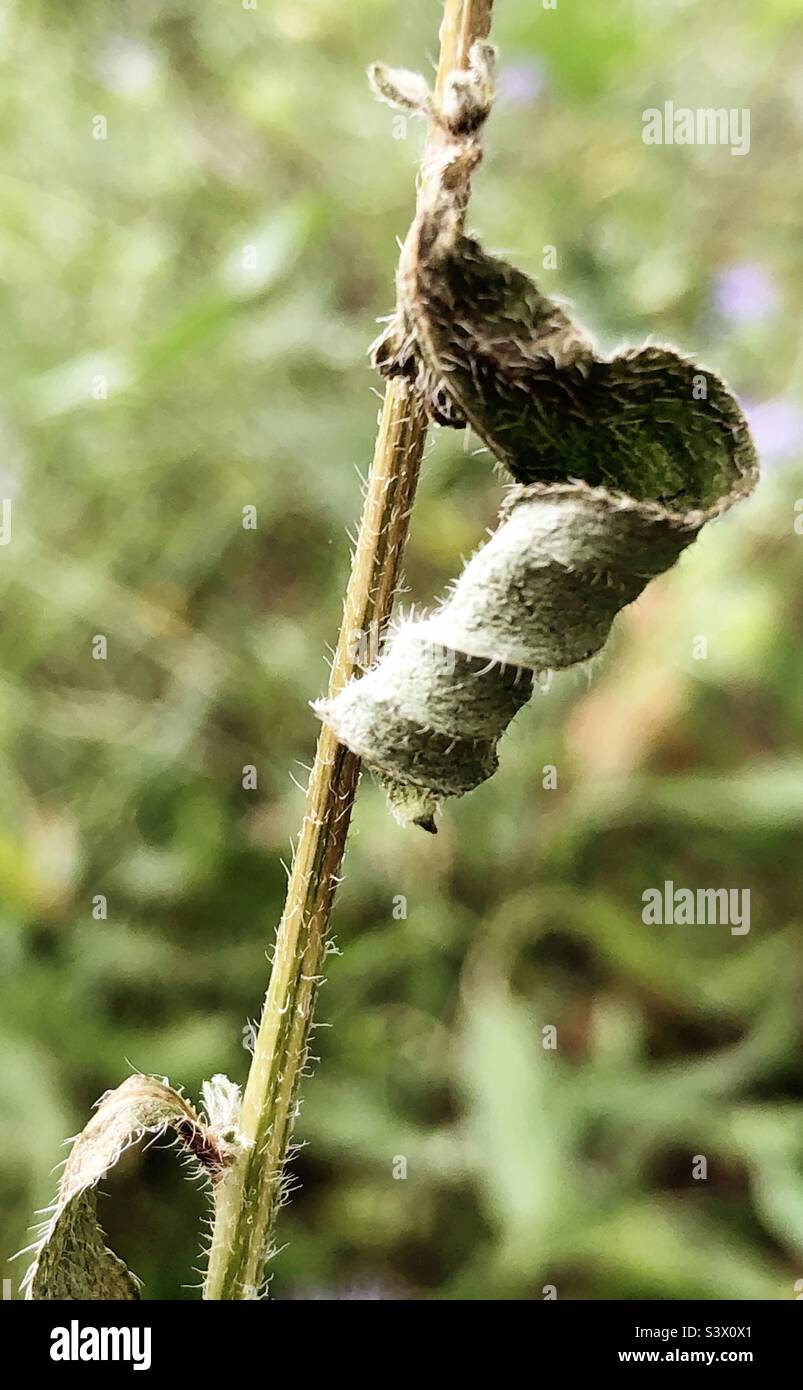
(248, 1198)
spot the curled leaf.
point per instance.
(72, 1260)
(619, 462)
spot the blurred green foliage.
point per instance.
(235, 378)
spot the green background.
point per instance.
(123, 259)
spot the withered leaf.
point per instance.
(72, 1260)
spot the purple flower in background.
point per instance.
(745, 292)
(520, 83)
(777, 427)
(360, 1293)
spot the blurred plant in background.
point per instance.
(187, 304)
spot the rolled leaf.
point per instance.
(619, 462)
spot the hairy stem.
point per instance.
(249, 1196)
